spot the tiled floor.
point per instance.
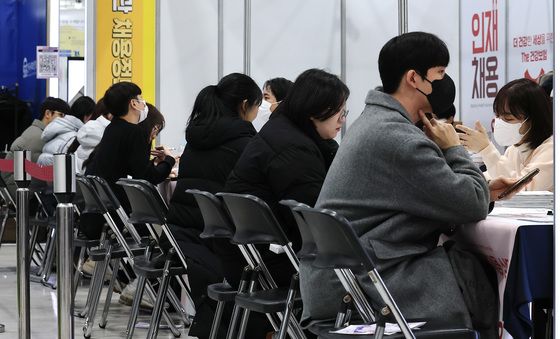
(43, 308)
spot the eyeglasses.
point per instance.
(59, 114)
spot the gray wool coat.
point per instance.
(399, 191)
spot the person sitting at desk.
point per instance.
(400, 188)
(524, 124)
(217, 132)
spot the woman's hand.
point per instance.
(159, 153)
(475, 140)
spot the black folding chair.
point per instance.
(217, 225)
(148, 208)
(131, 250)
(256, 224)
(339, 248)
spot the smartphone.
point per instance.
(519, 183)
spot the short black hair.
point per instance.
(54, 104)
(118, 96)
(525, 99)
(279, 87)
(419, 51)
(82, 107)
(315, 94)
(450, 112)
(547, 82)
(99, 110)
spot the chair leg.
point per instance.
(289, 307)
(78, 273)
(33, 240)
(94, 302)
(217, 320)
(103, 322)
(246, 312)
(47, 270)
(174, 300)
(5, 212)
(236, 309)
(48, 244)
(158, 306)
(140, 284)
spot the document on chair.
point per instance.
(390, 328)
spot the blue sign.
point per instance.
(23, 27)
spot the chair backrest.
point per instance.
(105, 192)
(338, 245)
(145, 209)
(308, 249)
(150, 188)
(92, 203)
(217, 223)
(254, 221)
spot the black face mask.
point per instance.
(442, 96)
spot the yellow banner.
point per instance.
(126, 45)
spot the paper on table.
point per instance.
(530, 214)
(390, 328)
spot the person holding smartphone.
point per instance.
(523, 124)
(401, 187)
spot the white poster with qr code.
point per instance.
(47, 62)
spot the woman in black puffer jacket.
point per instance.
(218, 130)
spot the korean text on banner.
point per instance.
(125, 45)
(483, 61)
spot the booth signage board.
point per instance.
(483, 58)
(530, 39)
(47, 62)
(125, 45)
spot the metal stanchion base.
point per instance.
(2, 328)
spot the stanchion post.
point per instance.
(64, 187)
(22, 180)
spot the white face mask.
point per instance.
(265, 106)
(143, 112)
(507, 134)
(262, 115)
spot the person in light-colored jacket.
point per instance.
(61, 134)
(91, 133)
(58, 136)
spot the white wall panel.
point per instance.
(187, 60)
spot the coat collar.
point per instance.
(378, 98)
(39, 124)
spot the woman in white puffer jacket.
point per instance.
(61, 132)
(91, 133)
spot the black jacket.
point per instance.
(210, 154)
(283, 162)
(124, 150)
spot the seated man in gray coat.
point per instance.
(30, 139)
(401, 187)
